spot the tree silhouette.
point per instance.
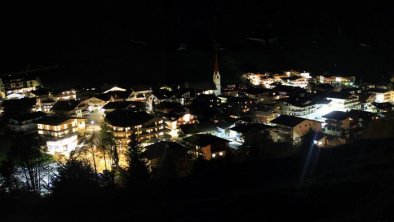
(137, 169)
(75, 178)
(33, 163)
(107, 142)
(107, 145)
(9, 181)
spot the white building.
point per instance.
(216, 77)
(298, 106)
(343, 102)
(60, 133)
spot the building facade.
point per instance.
(60, 133)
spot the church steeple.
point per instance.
(216, 76)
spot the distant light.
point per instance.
(379, 98)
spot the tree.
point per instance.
(107, 145)
(137, 169)
(32, 162)
(8, 182)
(75, 178)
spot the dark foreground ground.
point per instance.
(350, 183)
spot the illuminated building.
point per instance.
(47, 104)
(265, 113)
(72, 108)
(298, 106)
(114, 89)
(183, 96)
(18, 84)
(210, 147)
(139, 93)
(283, 91)
(292, 128)
(174, 121)
(236, 105)
(240, 131)
(64, 95)
(25, 123)
(382, 95)
(15, 107)
(337, 123)
(216, 77)
(343, 101)
(124, 122)
(111, 106)
(60, 133)
(336, 80)
(296, 81)
(202, 88)
(382, 107)
(258, 79)
(207, 101)
(94, 104)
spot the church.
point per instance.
(209, 87)
(216, 77)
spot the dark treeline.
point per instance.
(345, 183)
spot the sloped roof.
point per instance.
(158, 149)
(361, 114)
(19, 103)
(300, 101)
(198, 127)
(29, 116)
(286, 120)
(65, 105)
(53, 120)
(120, 104)
(41, 92)
(107, 89)
(385, 105)
(337, 115)
(127, 118)
(204, 139)
(119, 94)
(247, 127)
(338, 95)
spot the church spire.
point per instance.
(216, 67)
(216, 76)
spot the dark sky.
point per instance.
(87, 40)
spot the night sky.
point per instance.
(137, 42)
